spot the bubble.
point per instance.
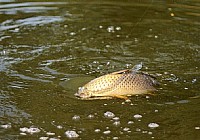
(136, 40)
(59, 127)
(5, 126)
(116, 118)
(33, 130)
(50, 133)
(153, 125)
(108, 46)
(150, 133)
(126, 129)
(107, 132)
(130, 122)
(194, 80)
(54, 139)
(138, 129)
(107, 127)
(118, 28)
(22, 133)
(76, 117)
(137, 116)
(144, 132)
(109, 114)
(23, 129)
(97, 130)
(197, 128)
(71, 134)
(116, 123)
(83, 29)
(90, 116)
(172, 14)
(115, 138)
(111, 29)
(127, 100)
(43, 138)
(30, 130)
(147, 97)
(72, 33)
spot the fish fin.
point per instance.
(150, 93)
(121, 97)
(121, 71)
(96, 98)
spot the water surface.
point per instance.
(49, 49)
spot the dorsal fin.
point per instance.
(121, 71)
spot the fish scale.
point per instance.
(117, 84)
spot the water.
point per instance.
(49, 49)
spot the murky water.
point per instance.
(49, 49)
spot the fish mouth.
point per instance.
(82, 95)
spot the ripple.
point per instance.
(39, 20)
(183, 101)
(31, 21)
(27, 78)
(28, 7)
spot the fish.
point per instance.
(120, 84)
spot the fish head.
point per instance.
(83, 93)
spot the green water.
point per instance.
(50, 48)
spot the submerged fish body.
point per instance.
(118, 84)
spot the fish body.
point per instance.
(118, 84)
